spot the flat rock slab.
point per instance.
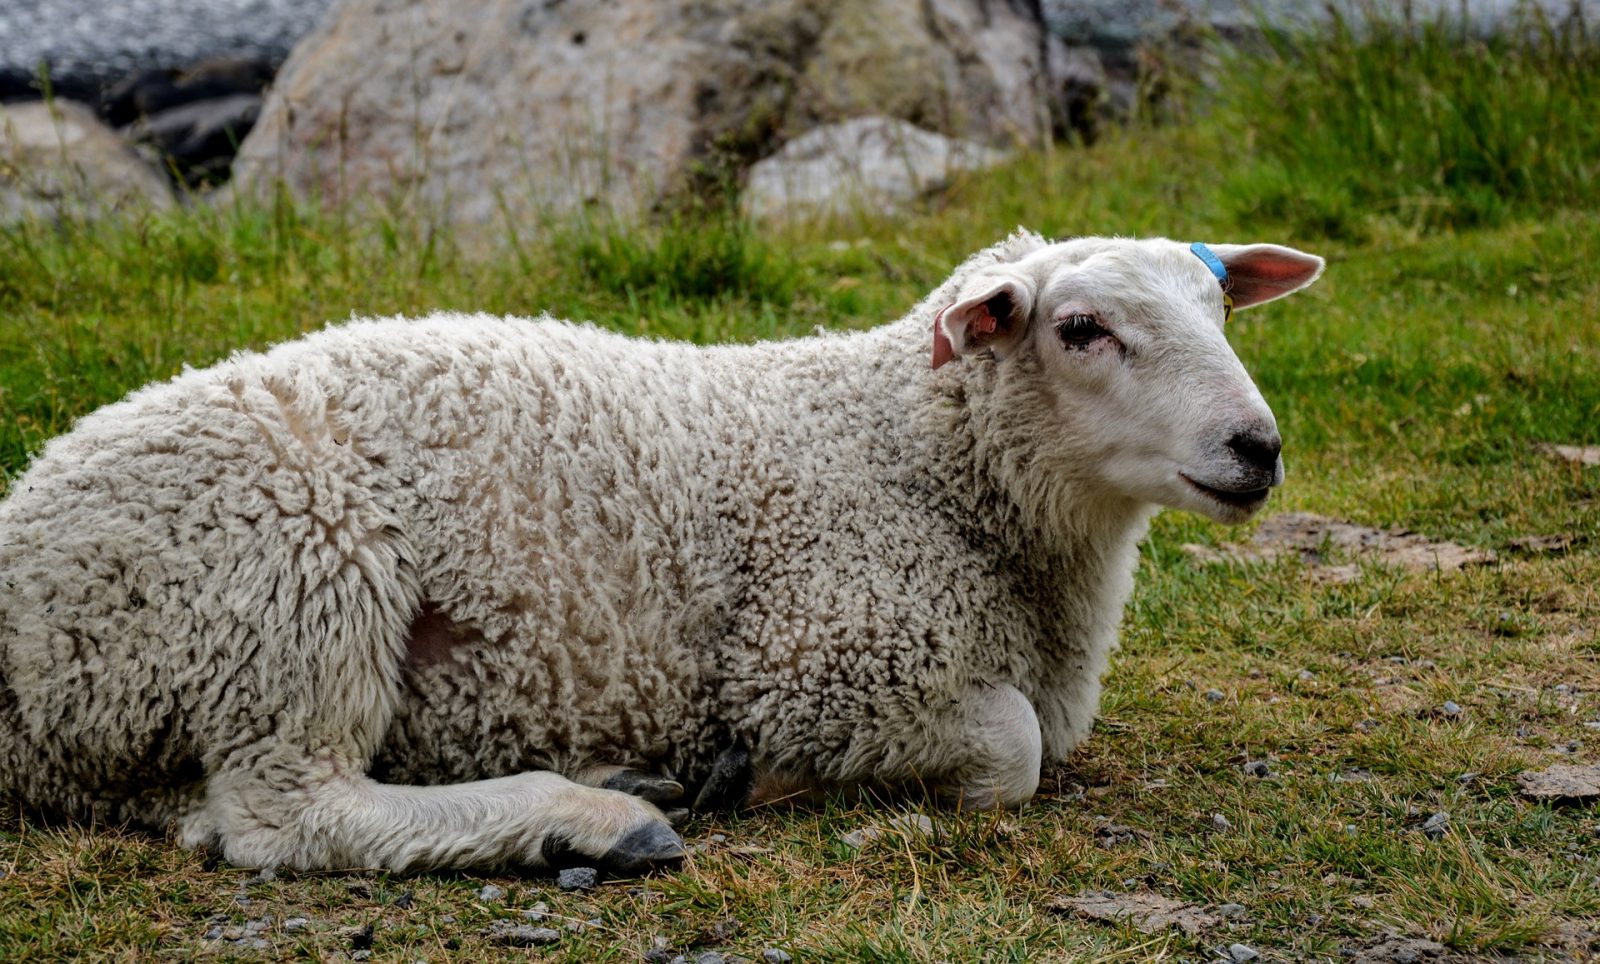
(1400, 950)
(1576, 454)
(1562, 783)
(1316, 540)
(1150, 913)
(905, 824)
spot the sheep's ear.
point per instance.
(990, 313)
(1262, 272)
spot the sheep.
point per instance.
(472, 592)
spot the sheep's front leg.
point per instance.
(1001, 750)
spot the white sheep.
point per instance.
(420, 594)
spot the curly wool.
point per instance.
(464, 546)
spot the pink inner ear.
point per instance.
(943, 351)
(984, 323)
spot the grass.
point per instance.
(1412, 385)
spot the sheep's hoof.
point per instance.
(651, 844)
(646, 786)
(647, 846)
(728, 787)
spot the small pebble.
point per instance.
(491, 892)
(1220, 822)
(1258, 768)
(774, 956)
(448, 919)
(578, 878)
(1307, 676)
(656, 955)
(1450, 708)
(719, 838)
(406, 900)
(1436, 825)
(1350, 830)
(1216, 696)
(361, 955)
(214, 933)
(1467, 778)
(293, 924)
(1238, 953)
(262, 944)
(711, 957)
(1229, 910)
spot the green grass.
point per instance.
(1412, 386)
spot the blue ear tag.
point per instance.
(1219, 269)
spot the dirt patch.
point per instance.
(1149, 913)
(1320, 542)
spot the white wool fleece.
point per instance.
(466, 547)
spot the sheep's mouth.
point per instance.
(1237, 498)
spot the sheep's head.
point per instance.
(1110, 355)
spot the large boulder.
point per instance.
(58, 160)
(525, 107)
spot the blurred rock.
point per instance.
(478, 112)
(146, 93)
(871, 163)
(199, 140)
(60, 160)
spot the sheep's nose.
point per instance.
(1258, 447)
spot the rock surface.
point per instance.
(1310, 537)
(88, 46)
(483, 111)
(867, 163)
(59, 160)
(1561, 783)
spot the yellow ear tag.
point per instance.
(1227, 307)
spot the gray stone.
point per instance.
(578, 878)
(1239, 953)
(867, 163)
(492, 892)
(1450, 708)
(1436, 825)
(1215, 696)
(479, 112)
(1220, 822)
(57, 160)
(774, 956)
(293, 924)
(1259, 769)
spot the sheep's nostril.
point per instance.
(1258, 449)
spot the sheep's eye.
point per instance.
(1079, 330)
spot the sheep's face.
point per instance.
(1122, 341)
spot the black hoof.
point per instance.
(649, 846)
(646, 786)
(728, 787)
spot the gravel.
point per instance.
(578, 878)
(102, 42)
